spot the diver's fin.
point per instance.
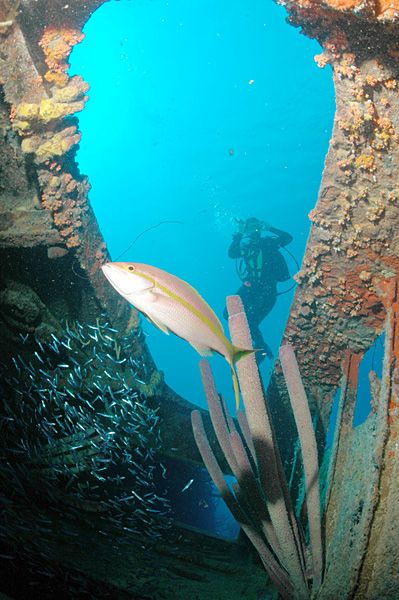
(202, 349)
(158, 324)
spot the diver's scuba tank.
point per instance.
(246, 229)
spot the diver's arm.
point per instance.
(284, 238)
(235, 246)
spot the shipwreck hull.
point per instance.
(347, 296)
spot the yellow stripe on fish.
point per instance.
(149, 289)
(217, 330)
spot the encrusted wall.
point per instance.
(352, 247)
(347, 293)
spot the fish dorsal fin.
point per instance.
(158, 324)
(202, 349)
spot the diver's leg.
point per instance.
(254, 306)
(243, 293)
(263, 302)
(259, 343)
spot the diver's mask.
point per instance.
(250, 227)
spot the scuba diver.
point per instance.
(260, 266)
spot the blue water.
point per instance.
(201, 112)
(372, 361)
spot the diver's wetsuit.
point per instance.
(264, 267)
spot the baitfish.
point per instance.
(188, 484)
(174, 305)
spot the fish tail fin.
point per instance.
(239, 353)
(236, 386)
(236, 354)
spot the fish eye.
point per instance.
(131, 268)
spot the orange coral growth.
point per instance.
(59, 78)
(390, 84)
(366, 162)
(387, 9)
(351, 253)
(372, 80)
(66, 198)
(344, 4)
(393, 196)
(13, 113)
(73, 241)
(321, 60)
(52, 204)
(57, 45)
(346, 67)
(316, 217)
(346, 165)
(385, 124)
(337, 44)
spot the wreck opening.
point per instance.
(201, 121)
(201, 127)
(370, 371)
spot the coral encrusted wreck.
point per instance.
(347, 297)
